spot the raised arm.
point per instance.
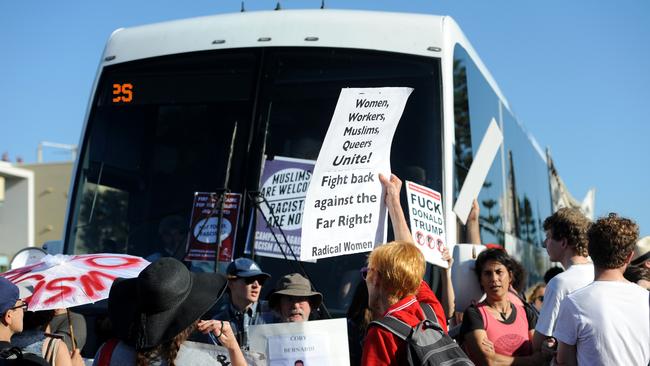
(472, 227)
(448, 296)
(393, 187)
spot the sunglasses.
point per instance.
(364, 272)
(23, 305)
(250, 280)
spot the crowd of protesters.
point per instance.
(594, 309)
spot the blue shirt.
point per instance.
(257, 313)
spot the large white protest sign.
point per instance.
(316, 342)
(427, 222)
(479, 169)
(344, 210)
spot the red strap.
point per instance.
(106, 352)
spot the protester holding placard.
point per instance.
(153, 315)
(395, 286)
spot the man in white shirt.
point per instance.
(566, 242)
(608, 321)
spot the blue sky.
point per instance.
(575, 74)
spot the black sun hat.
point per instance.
(162, 301)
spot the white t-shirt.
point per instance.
(577, 276)
(609, 322)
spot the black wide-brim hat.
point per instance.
(161, 302)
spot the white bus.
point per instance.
(197, 105)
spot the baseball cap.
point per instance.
(244, 267)
(9, 294)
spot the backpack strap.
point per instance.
(107, 352)
(395, 326)
(429, 314)
(51, 350)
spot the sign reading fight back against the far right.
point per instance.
(344, 210)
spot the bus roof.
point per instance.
(417, 34)
(408, 33)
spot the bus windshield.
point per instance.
(161, 129)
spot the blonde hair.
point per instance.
(530, 294)
(401, 266)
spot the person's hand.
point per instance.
(549, 348)
(474, 212)
(76, 358)
(393, 186)
(221, 331)
(446, 256)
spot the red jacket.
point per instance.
(381, 347)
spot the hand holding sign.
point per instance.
(393, 187)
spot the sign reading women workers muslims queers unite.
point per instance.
(344, 207)
(427, 222)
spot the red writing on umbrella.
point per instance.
(91, 283)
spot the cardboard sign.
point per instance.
(316, 342)
(284, 184)
(202, 242)
(344, 209)
(427, 222)
(479, 169)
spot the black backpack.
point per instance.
(427, 342)
(13, 356)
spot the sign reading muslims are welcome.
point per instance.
(283, 184)
(344, 210)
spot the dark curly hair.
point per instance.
(611, 240)
(497, 255)
(166, 351)
(572, 225)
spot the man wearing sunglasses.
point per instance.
(12, 309)
(243, 307)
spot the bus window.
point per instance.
(171, 139)
(475, 104)
(299, 94)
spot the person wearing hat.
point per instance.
(641, 255)
(242, 307)
(293, 298)
(153, 314)
(12, 310)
